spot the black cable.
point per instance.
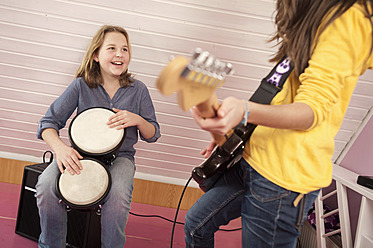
(180, 223)
(177, 211)
(230, 230)
(156, 216)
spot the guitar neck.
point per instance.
(208, 109)
(195, 82)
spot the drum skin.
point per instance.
(92, 137)
(86, 190)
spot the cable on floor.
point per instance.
(176, 214)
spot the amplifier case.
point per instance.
(83, 227)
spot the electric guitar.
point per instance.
(195, 82)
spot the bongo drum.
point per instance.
(92, 137)
(87, 190)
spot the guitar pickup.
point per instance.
(232, 144)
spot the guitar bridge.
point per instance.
(205, 69)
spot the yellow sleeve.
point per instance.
(341, 55)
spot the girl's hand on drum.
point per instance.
(69, 158)
(123, 119)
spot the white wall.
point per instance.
(43, 42)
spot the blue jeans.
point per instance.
(269, 218)
(115, 209)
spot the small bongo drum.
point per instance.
(92, 137)
(85, 191)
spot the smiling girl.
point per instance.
(102, 80)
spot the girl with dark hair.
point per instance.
(288, 157)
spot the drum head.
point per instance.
(89, 132)
(87, 188)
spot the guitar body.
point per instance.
(221, 159)
(208, 173)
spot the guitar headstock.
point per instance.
(194, 81)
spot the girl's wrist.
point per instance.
(246, 113)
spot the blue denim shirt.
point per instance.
(78, 95)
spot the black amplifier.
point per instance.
(366, 181)
(83, 227)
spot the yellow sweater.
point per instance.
(301, 160)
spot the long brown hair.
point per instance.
(298, 24)
(89, 69)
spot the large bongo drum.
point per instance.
(92, 137)
(85, 191)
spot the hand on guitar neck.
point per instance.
(195, 82)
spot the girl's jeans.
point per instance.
(269, 217)
(115, 209)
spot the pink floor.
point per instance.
(141, 232)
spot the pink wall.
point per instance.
(359, 159)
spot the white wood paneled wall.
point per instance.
(42, 43)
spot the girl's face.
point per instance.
(113, 55)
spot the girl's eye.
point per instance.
(125, 49)
(110, 48)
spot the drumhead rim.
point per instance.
(91, 205)
(80, 150)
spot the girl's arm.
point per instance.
(66, 156)
(288, 116)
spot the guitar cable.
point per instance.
(176, 214)
(177, 211)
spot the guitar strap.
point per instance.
(273, 82)
(230, 152)
(267, 90)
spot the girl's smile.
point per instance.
(113, 55)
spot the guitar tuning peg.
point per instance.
(228, 69)
(196, 53)
(201, 58)
(209, 61)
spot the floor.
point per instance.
(142, 232)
